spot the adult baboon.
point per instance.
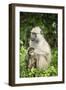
(42, 50)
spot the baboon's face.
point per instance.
(33, 36)
(36, 34)
(31, 51)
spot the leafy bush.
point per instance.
(46, 21)
(33, 72)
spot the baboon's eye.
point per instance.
(34, 34)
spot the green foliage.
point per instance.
(22, 61)
(47, 22)
(33, 72)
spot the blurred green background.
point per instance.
(48, 23)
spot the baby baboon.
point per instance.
(31, 58)
(42, 51)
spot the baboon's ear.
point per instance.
(41, 32)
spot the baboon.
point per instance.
(42, 51)
(31, 58)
